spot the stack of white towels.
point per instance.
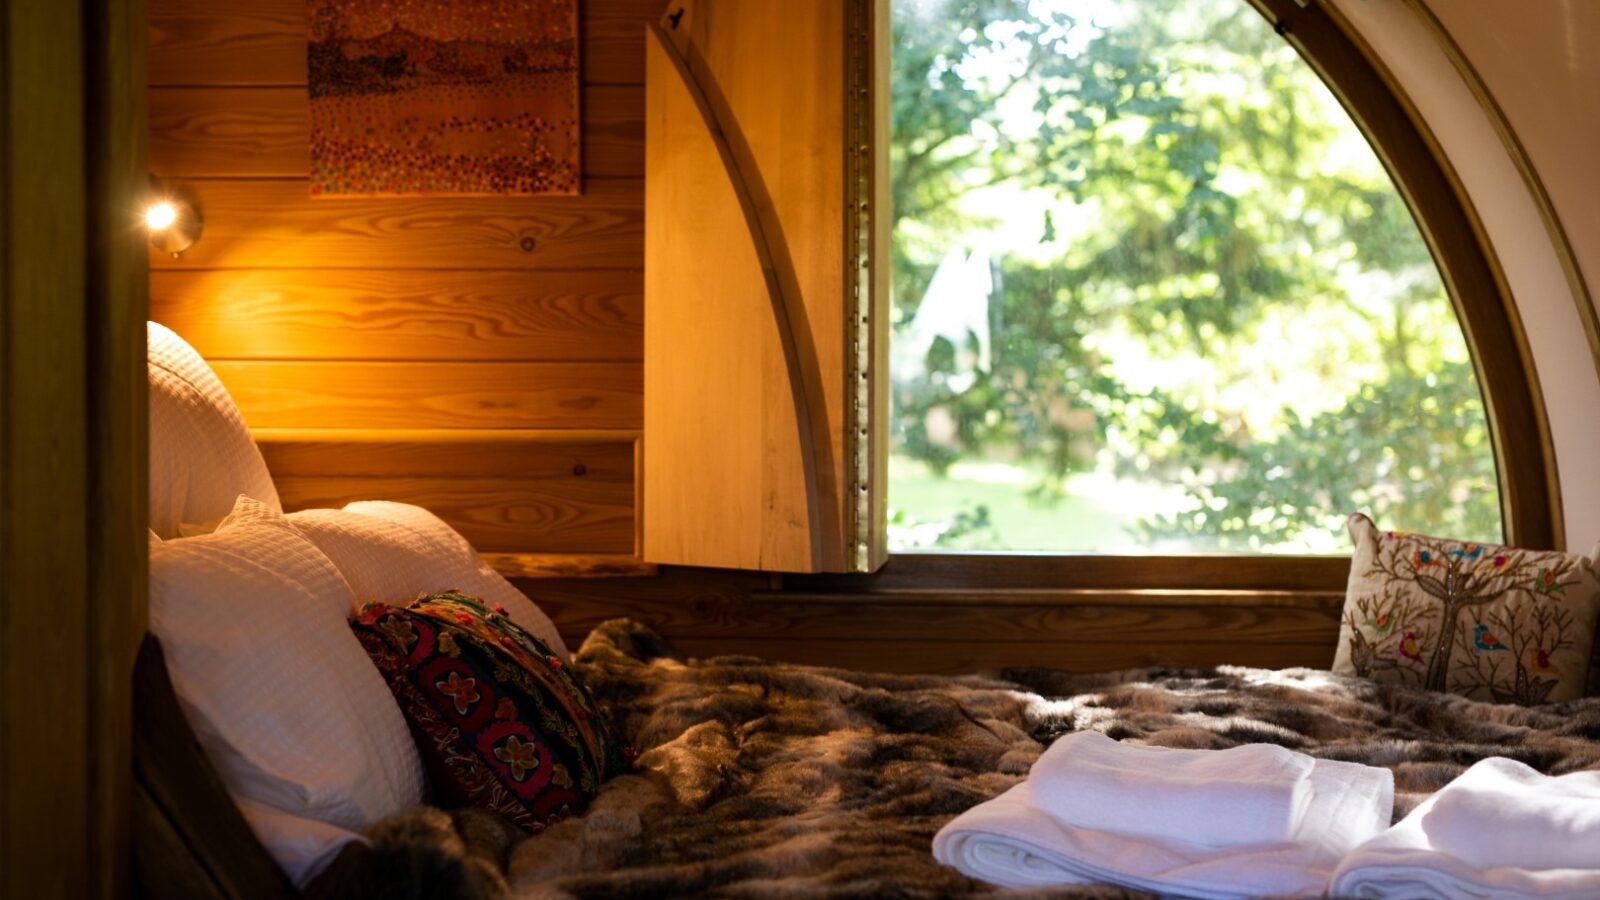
(1260, 820)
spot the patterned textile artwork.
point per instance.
(443, 97)
(1492, 623)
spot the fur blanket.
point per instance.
(763, 779)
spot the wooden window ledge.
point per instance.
(568, 565)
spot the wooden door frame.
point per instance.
(73, 455)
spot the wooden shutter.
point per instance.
(766, 285)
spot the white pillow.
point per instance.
(395, 552)
(201, 453)
(284, 700)
(302, 847)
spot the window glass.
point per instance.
(1153, 290)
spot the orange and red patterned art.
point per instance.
(443, 97)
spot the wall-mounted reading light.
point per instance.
(171, 220)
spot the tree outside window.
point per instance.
(1153, 289)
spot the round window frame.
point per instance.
(1519, 429)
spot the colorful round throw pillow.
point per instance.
(500, 722)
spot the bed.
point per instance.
(758, 778)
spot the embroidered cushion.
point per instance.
(1488, 622)
(500, 721)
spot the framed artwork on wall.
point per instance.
(428, 97)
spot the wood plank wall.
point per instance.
(479, 356)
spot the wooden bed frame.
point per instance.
(189, 838)
(190, 841)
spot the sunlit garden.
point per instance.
(1153, 290)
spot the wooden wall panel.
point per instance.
(385, 314)
(291, 394)
(263, 42)
(204, 131)
(563, 492)
(272, 223)
(263, 132)
(569, 515)
(479, 356)
(543, 455)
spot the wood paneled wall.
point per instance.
(478, 356)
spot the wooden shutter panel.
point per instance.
(765, 187)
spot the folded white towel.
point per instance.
(1501, 830)
(1008, 841)
(1253, 794)
(1503, 813)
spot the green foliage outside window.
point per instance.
(1203, 284)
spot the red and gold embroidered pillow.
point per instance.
(1488, 622)
(500, 722)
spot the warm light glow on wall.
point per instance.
(160, 215)
(170, 219)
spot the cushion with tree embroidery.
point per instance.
(1487, 622)
(499, 720)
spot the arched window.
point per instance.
(1155, 289)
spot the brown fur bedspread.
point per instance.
(762, 779)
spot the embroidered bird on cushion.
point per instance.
(1380, 624)
(1470, 551)
(1548, 583)
(1409, 648)
(1483, 639)
(1539, 659)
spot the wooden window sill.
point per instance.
(568, 565)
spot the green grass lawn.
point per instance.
(1095, 515)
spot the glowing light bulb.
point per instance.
(160, 216)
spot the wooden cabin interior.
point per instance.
(667, 397)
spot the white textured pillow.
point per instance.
(395, 552)
(302, 847)
(284, 700)
(201, 454)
